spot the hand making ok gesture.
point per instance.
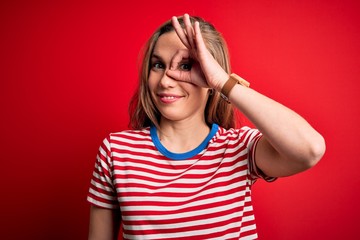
(205, 70)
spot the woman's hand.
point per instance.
(205, 70)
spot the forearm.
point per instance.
(296, 144)
(287, 131)
(104, 224)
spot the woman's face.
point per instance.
(175, 100)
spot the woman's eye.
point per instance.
(158, 65)
(186, 66)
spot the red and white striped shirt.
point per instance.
(201, 194)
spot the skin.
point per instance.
(289, 144)
(181, 103)
(104, 223)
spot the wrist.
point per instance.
(230, 84)
(221, 81)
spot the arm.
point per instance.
(104, 224)
(289, 144)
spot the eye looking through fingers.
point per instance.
(186, 66)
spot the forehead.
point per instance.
(167, 45)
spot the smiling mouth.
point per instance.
(168, 98)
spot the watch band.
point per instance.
(230, 83)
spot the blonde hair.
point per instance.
(143, 111)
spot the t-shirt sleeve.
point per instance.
(251, 138)
(102, 192)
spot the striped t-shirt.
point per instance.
(201, 194)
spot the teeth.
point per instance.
(169, 97)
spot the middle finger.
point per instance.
(189, 30)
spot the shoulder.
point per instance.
(244, 136)
(243, 133)
(129, 138)
(130, 134)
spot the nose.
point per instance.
(166, 81)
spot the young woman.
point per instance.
(185, 171)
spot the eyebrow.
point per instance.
(154, 55)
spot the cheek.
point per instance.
(152, 81)
(152, 85)
(199, 95)
(203, 93)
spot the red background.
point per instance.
(69, 69)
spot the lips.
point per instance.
(168, 98)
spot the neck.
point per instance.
(182, 136)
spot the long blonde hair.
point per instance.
(143, 111)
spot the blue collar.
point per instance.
(186, 155)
